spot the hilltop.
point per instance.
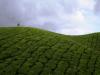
(32, 51)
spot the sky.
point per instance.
(70, 17)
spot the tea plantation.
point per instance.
(31, 51)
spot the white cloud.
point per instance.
(73, 31)
(86, 4)
(55, 17)
(63, 16)
(76, 23)
(77, 17)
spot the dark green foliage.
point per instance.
(30, 51)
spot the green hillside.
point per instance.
(31, 51)
(90, 40)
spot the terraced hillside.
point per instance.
(90, 40)
(31, 51)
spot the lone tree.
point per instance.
(18, 24)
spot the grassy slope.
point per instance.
(30, 51)
(90, 40)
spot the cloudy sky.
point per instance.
(61, 16)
